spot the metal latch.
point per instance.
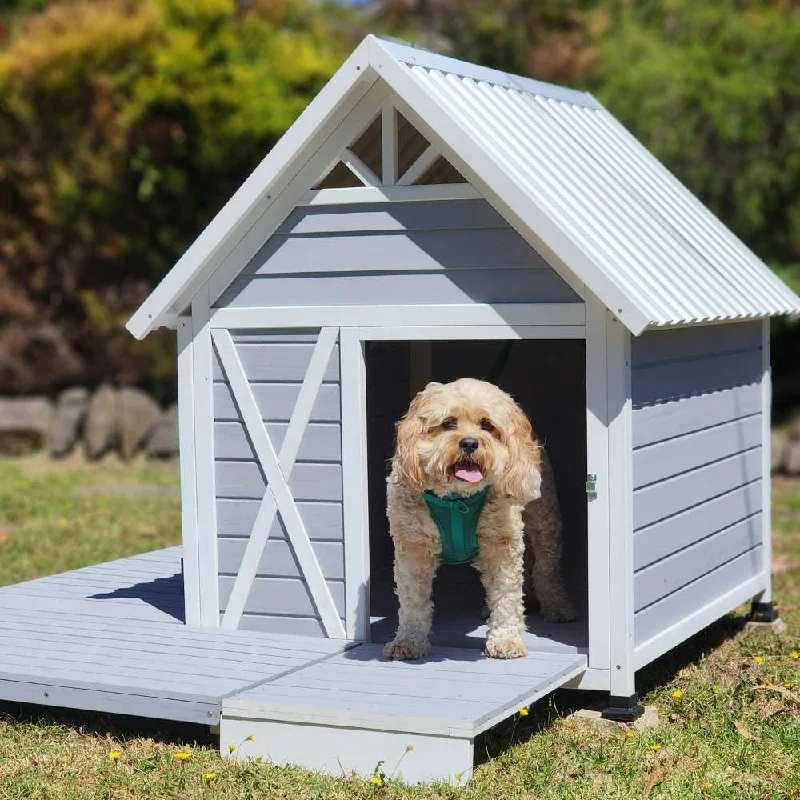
(591, 486)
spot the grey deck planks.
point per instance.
(102, 639)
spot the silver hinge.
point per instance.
(591, 486)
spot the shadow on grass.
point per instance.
(120, 727)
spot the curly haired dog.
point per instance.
(461, 438)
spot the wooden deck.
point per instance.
(111, 638)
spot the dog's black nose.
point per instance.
(468, 445)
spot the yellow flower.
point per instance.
(62, 523)
(794, 654)
(458, 776)
(629, 734)
(523, 712)
(770, 684)
(250, 738)
(231, 747)
(409, 748)
(208, 777)
(183, 756)
(377, 780)
(717, 688)
(114, 755)
(789, 684)
(677, 693)
(655, 747)
(759, 659)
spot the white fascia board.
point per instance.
(249, 201)
(468, 156)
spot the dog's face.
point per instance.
(463, 436)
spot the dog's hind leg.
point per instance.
(542, 519)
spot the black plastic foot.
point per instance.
(623, 709)
(763, 612)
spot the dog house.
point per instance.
(421, 214)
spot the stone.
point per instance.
(792, 465)
(24, 424)
(593, 717)
(100, 430)
(779, 445)
(137, 415)
(68, 419)
(163, 441)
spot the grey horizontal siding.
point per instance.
(235, 518)
(275, 363)
(697, 434)
(674, 607)
(454, 252)
(278, 559)
(278, 362)
(276, 401)
(489, 285)
(243, 479)
(321, 442)
(281, 596)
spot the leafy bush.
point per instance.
(124, 126)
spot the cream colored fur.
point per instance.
(521, 497)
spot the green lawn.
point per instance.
(728, 697)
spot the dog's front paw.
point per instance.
(405, 649)
(506, 647)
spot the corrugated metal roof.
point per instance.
(573, 181)
(660, 246)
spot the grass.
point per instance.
(729, 698)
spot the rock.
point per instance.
(137, 415)
(792, 464)
(779, 444)
(163, 441)
(100, 431)
(593, 718)
(24, 424)
(68, 420)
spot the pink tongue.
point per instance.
(469, 474)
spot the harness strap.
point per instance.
(456, 518)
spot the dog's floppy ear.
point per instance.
(522, 478)
(409, 430)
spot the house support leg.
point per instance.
(623, 709)
(761, 611)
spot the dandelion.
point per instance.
(759, 659)
(790, 684)
(182, 756)
(655, 747)
(770, 684)
(716, 688)
(629, 734)
(523, 712)
(209, 776)
(794, 654)
(250, 738)
(231, 747)
(677, 693)
(114, 755)
(377, 780)
(62, 523)
(458, 776)
(409, 748)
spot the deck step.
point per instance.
(354, 709)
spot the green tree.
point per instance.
(124, 126)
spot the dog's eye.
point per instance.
(487, 426)
(450, 423)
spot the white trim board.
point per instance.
(466, 314)
(390, 194)
(766, 459)
(405, 333)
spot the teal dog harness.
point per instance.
(456, 517)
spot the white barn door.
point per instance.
(280, 419)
